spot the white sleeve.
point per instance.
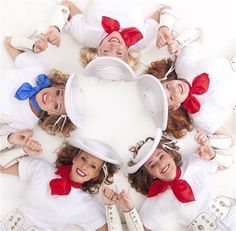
(94, 216)
(151, 214)
(28, 60)
(32, 167)
(84, 33)
(149, 34)
(4, 144)
(18, 125)
(186, 63)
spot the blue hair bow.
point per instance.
(27, 91)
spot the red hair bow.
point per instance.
(180, 188)
(199, 86)
(131, 35)
(62, 186)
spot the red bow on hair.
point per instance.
(62, 186)
(199, 86)
(131, 35)
(180, 188)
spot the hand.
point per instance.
(32, 148)
(174, 48)
(206, 152)
(109, 196)
(124, 201)
(53, 36)
(41, 44)
(201, 137)
(163, 37)
(21, 137)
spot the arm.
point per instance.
(166, 18)
(189, 36)
(23, 138)
(62, 14)
(131, 215)
(112, 214)
(13, 52)
(18, 44)
(208, 151)
(13, 170)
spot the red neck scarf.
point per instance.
(62, 186)
(180, 188)
(199, 86)
(131, 35)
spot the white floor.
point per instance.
(109, 116)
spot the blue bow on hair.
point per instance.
(27, 91)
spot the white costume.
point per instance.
(198, 174)
(217, 103)
(53, 212)
(87, 29)
(16, 114)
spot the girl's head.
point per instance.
(51, 99)
(113, 45)
(87, 54)
(177, 91)
(152, 161)
(93, 162)
(54, 97)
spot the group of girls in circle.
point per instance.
(199, 92)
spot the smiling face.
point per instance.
(177, 91)
(85, 167)
(51, 100)
(161, 165)
(113, 45)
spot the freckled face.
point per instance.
(51, 100)
(161, 165)
(85, 167)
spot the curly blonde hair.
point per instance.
(47, 122)
(141, 180)
(65, 156)
(179, 122)
(87, 54)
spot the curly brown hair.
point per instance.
(141, 180)
(66, 155)
(179, 121)
(46, 122)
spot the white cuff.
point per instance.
(22, 43)
(220, 141)
(113, 218)
(133, 220)
(4, 142)
(60, 17)
(223, 157)
(11, 157)
(168, 19)
(187, 37)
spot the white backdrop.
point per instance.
(116, 120)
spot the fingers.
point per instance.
(174, 47)
(201, 137)
(41, 44)
(33, 145)
(53, 36)
(109, 194)
(27, 134)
